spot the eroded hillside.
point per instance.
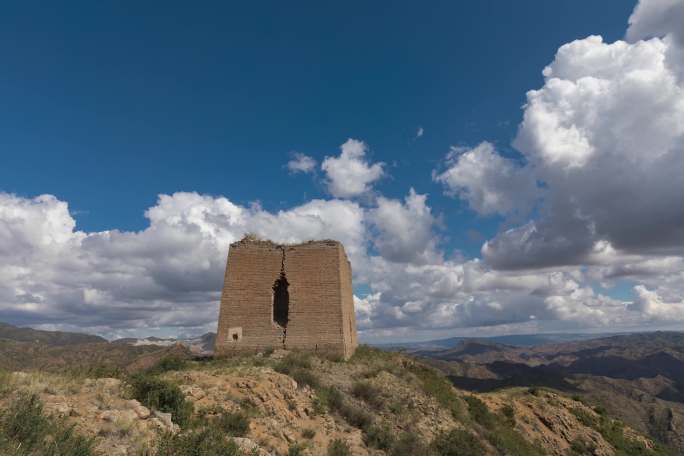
(292, 404)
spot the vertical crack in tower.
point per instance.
(281, 299)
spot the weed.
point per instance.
(161, 395)
(339, 447)
(368, 393)
(25, 431)
(233, 424)
(439, 387)
(380, 437)
(208, 441)
(308, 433)
(457, 443)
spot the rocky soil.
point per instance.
(388, 399)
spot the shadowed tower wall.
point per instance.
(287, 296)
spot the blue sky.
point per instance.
(106, 105)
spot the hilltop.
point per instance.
(296, 404)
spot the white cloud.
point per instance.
(301, 163)
(605, 134)
(405, 230)
(350, 174)
(420, 132)
(653, 306)
(167, 277)
(489, 183)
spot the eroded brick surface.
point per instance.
(320, 305)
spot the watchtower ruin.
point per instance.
(293, 296)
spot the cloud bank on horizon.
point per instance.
(596, 197)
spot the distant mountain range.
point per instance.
(637, 377)
(202, 345)
(9, 332)
(517, 340)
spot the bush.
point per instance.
(380, 437)
(457, 443)
(298, 366)
(233, 424)
(163, 396)
(208, 441)
(24, 430)
(509, 413)
(308, 433)
(409, 444)
(339, 447)
(292, 362)
(508, 441)
(327, 399)
(169, 363)
(479, 412)
(439, 387)
(369, 394)
(295, 450)
(355, 416)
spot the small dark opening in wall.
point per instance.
(235, 336)
(281, 301)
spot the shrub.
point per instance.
(298, 366)
(292, 362)
(327, 399)
(457, 443)
(380, 437)
(479, 411)
(305, 377)
(295, 450)
(509, 413)
(339, 447)
(439, 387)
(355, 416)
(169, 363)
(409, 444)
(508, 441)
(368, 393)
(208, 441)
(163, 396)
(233, 424)
(584, 417)
(308, 433)
(24, 430)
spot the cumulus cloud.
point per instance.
(301, 163)
(605, 134)
(404, 229)
(168, 276)
(489, 183)
(351, 174)
(653, 306)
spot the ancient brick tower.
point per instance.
(287, 296)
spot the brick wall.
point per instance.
(321, 307)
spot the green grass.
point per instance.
(339, 447)
(438, 386)
(208, 441)
(26, 431)
(368, 393)
(457, 443)
(161, 395)
(233, 424)
(499, 431)
(613, 431)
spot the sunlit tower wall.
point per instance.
(294, 296)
